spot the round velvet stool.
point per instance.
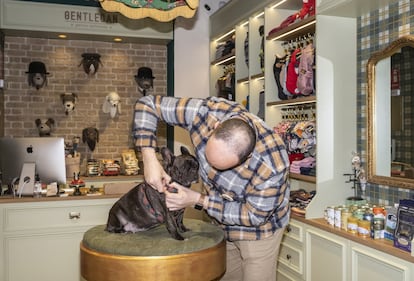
(154, 254)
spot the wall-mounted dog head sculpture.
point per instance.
(69, 101)
(144, 79)
(37, 74)
(112, 104)
(90, 135)
(90, 63)
(45, 126)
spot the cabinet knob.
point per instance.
(288, 229)
(288, 257)
(74, 215)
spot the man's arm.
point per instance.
(148, 111)
(154, 173)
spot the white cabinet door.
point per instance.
(43, 257)
(326, 256)
(369, 264)
(40, 241)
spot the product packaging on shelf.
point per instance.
(404, 231)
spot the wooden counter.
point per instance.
(98, 182)
(382, 245)
(10, 199)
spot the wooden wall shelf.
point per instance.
(295, 30)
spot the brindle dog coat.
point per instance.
(143, 207)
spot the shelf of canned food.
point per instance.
(380, 244)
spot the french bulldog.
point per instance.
(143, 207)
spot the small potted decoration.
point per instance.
(77, 183)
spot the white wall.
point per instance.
(191, 59)
(191, 70)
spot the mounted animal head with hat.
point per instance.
(37, 74)
(144, 79)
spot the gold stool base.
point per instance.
(154, 255)
(208, 264)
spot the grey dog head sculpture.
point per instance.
(143, 207)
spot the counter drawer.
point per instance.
(41, 216)
(291, 257)
(285, 274)
(294, 231)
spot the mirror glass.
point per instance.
(390, 100)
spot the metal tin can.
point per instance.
(337, 216)
(353, 207)
(364, 228)
(367, 216)
(331, 215)
(345, 214)
(358, 213)
(378, 228)
(378, 222)
(352, 225)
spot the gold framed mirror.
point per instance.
(390, 115)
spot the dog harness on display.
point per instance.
(292, 73)
(305, 75)
(277, 69)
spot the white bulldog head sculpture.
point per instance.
(112, 104)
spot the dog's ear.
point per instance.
(167, 157)
(184, 150)
(75, 96)
(97, 135)
(50, 122)
(84, 135)
(38, 122)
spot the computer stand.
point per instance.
(27, 179)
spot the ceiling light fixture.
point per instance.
(278, 4)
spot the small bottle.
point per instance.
(37, 188)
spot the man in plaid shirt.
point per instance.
(244, 168)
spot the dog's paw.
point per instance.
(178, 236)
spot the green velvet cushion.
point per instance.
(154, 242)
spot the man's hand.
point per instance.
(178, 197)
(154, 173)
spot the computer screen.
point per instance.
(46, 153)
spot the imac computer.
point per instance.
(25, 157)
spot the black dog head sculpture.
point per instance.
(90, 63)
(143, 207)
(144, 79)
(37, 74)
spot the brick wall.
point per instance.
(120, 61)
(1, 90)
